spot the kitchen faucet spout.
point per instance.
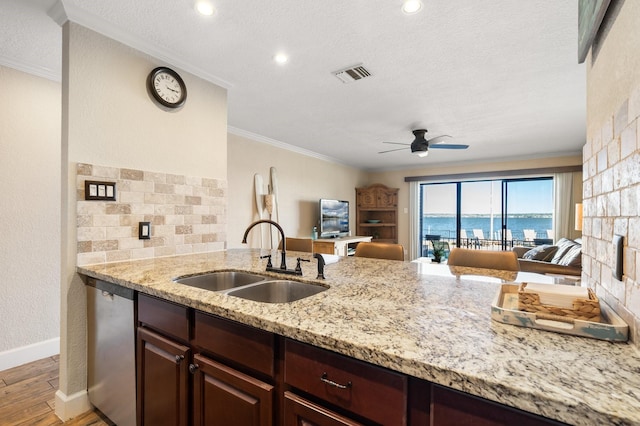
(283, 262)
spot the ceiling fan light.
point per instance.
(421, 153)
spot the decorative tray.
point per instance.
(504, 309)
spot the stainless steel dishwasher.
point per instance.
(111, 369)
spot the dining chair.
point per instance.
(501, 260)
(499, 264)
(388, 251)
(298, 244)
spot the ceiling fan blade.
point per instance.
(437, 139)
(391, 150)
(398, 143)
(448, 146)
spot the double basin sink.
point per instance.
(252, 286)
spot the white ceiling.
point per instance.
(499, 75)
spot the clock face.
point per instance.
(167, 87)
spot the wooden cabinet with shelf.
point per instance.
(377, 213)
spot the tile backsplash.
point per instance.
(187, 215)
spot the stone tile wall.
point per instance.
(611, 206)
(187, 215)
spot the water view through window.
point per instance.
(497, 213)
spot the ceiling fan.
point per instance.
(420, 146)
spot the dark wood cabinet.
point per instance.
(301, 412)
(454, 408)
(197, 368)
(163, 380)
(347, 384)
(377, 213)
(223, 396)
(179, 385)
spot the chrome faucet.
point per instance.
(283, 262)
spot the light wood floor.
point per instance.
(27, 396)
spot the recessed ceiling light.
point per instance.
(280, 58)
(204, 8)
(411, 6)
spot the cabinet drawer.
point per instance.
(235, 342)
(164, 316)
(347, 383)
(299, 411)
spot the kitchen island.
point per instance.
(437, 328)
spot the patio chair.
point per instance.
(529, 234)
(427, 238)
(478, 235)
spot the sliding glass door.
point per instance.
(490, 214)
(528, 211)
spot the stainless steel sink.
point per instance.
(218, 281)
(277, 291)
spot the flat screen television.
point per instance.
(334, 218)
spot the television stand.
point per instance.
(339, 246)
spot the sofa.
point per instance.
(565, 258)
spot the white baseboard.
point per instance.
(18, 356)
(70, 406)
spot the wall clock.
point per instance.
(167, 87)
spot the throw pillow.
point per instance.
(573, 257)
(564, 245)
(544, 252)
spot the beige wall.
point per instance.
(302, 181)
(30, 225)
(612, 161)
(395, 179)
(109, 119)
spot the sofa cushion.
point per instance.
(564, 245)
(572, 257)
(544, 252)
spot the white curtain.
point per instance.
(415, 241)
(563, 206)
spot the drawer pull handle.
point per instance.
(193, 368)
(332, 383)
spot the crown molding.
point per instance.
(282, 145)
(63, 12)
(36, 70)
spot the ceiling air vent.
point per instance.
(351, 74)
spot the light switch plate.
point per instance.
(95, 190)
(144, 230)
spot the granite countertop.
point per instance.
(434, 327)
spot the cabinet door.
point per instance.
(300, 412)
(366, 198)
(387, 197)
(226, 397)
(453, 408)
(163, 380)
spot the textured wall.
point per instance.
(612, 162)
(302, 181)
(187, 214)
(30, 224)
(109, 119)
